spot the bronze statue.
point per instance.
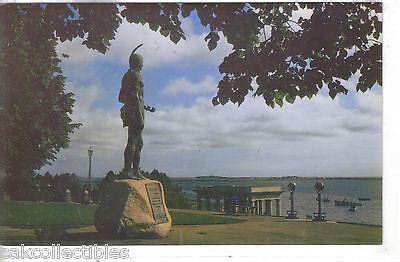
(132, 114)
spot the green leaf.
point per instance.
(376, 35)
(279, 102)
(279, 94)
(175, 37)
(212, 44)
(332, 94)
(187, 9)
(215, 101)
(379, 80)
(164, 32)
(208, 36)
(153, 27)
(38, 124)
(290, 99)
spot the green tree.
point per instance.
(159, 176)
(21, 187)
(174, 195)
(105, 184)
(287, 57)
(34, 107)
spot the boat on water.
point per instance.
(346, 202)
(325, 199)
(364, 199)
(352, 208)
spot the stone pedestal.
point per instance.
(131, 208)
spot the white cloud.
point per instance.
(157, 50)
(183, 85)
(102, 130)
(304, 13)
(253, 123)
(311, 137)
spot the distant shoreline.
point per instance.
(270, 178)
(204, 178)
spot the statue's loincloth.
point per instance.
(130, 116)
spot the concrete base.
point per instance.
(292, 215)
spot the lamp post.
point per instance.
(90, 153)
(37, 192)
(319, 186)
(48, 193)
(292, 213)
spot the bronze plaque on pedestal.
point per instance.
(156, 201)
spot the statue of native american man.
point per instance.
(132, 114)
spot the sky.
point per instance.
(187, 136)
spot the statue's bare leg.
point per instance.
(136, 156)
(128, 156)
(129, 152)
(132, 153)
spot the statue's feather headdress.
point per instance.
(136, 48)
(135, 58)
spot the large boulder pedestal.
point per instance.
(131, 208)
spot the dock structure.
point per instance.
(249, 200)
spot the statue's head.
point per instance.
(136, 60)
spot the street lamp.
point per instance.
(90, 153)
(319, 186)
(48, 193)
(37, 192)
(292, 214)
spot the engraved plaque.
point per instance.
(156, 201)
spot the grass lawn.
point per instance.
(26, 213)
(192, 217)
(191, 227)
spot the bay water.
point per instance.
(305, 196)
